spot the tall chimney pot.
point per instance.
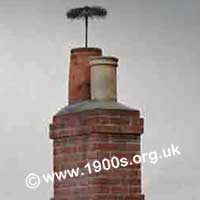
(79, 75)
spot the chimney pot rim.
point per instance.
(82, 49)
(113, 58)
(103, 60)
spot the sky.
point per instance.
(158, 46)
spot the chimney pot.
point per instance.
(103, 71)
(79, 75)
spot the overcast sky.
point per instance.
(158, 45)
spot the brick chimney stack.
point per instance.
(95, 127)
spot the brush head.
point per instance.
(90, 12)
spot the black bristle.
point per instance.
(92, 12)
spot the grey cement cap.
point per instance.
(92, 104)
